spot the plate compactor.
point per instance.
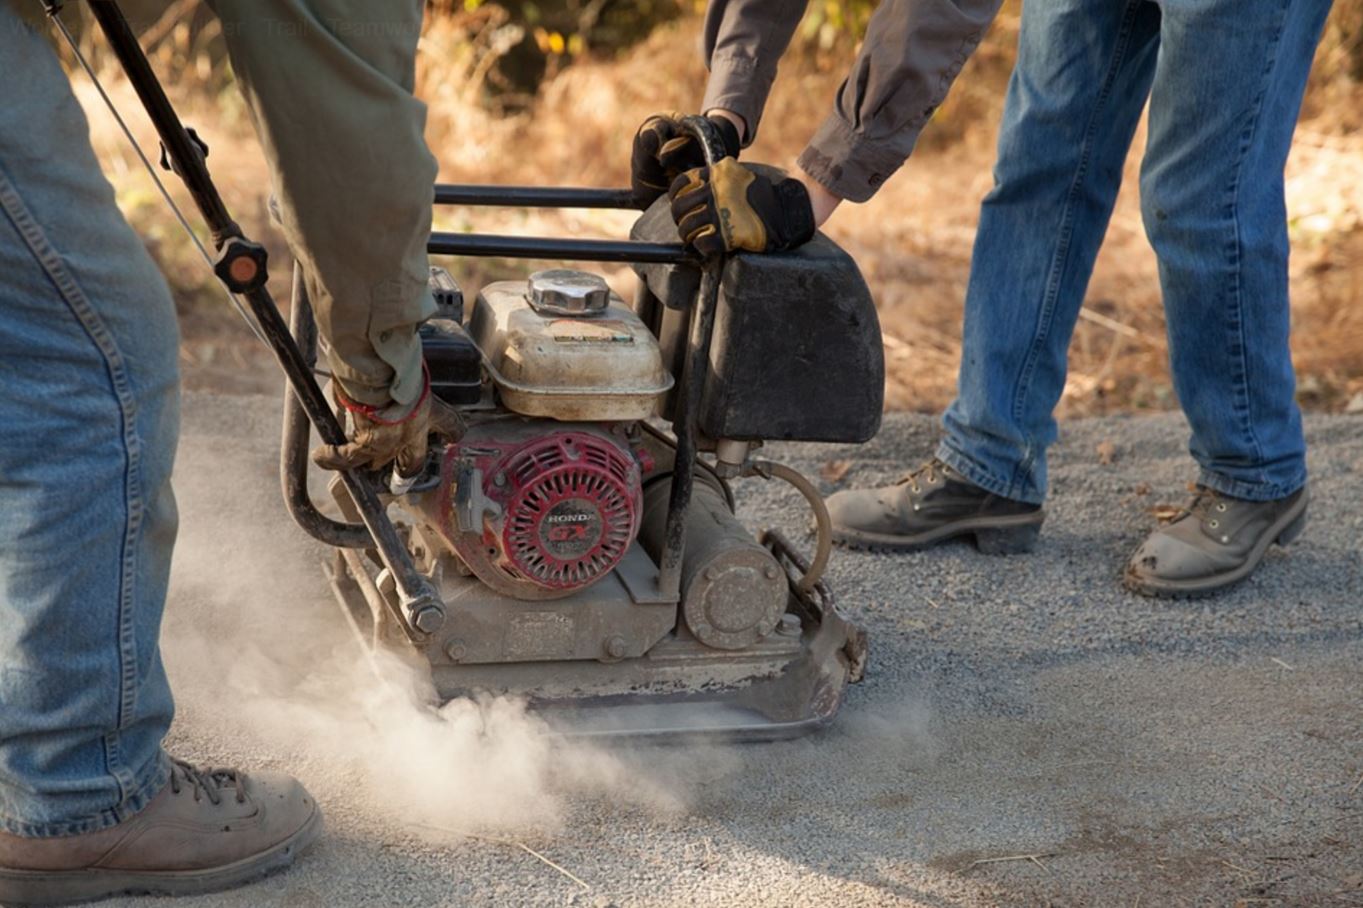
(573, 542)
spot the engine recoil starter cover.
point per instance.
(558, 511)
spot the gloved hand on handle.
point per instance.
(731, 207)
(662, 151)
(396, 434)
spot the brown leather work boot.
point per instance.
(1213, 543)
(207, 830)
(930, 505)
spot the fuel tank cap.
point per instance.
(564, 291)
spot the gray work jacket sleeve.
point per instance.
(744, 40)
(913, 51)
(329, 87)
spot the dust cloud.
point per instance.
(257, 651)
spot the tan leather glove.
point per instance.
(731, 207)
(394, 434)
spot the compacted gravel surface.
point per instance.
(1027, 733)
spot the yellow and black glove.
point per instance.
(733, 208)
(662, 151)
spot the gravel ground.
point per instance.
(1027, 734)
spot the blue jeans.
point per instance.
(1224, 79)
(89, 413)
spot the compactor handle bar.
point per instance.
(712, 147)
(534, 247)
(700, 328)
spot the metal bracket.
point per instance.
(471, 506)
(168, 163)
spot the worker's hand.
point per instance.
(731, 208)
(662, 151)
(394, 434)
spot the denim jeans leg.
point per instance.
(1082, 76)
(90, 410)
(1227, 91)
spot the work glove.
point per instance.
(731, 207)
(662, 151)
(396, 434)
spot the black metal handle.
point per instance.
(701, 327)
(185, 156)
(537, 247)
(705, 132)
(293, 447)
(533, 196)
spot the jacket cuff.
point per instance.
(738, 84)
(392, 413)
(409, 381)
(401, 352)
(850, 166)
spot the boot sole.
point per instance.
(1014, 535)
(1283, 532)
(32, 889)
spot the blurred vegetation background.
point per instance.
(550, 93)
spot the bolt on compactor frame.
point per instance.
(574, 543)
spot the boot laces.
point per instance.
(209, 783)
(1204, 505)
(928, 473)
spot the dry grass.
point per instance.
(913, 240)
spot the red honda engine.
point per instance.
(538, 510)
